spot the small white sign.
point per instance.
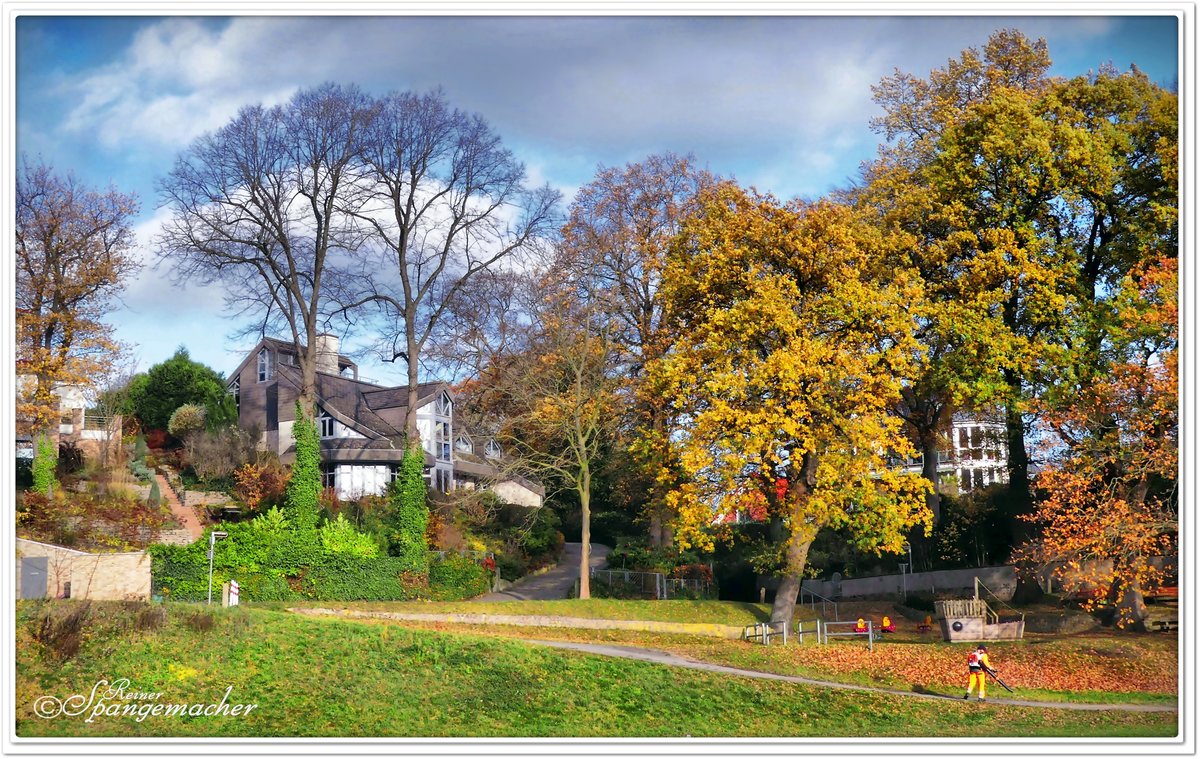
(234, 592)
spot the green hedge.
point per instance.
(329, 578)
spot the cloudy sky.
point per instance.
(781, 103)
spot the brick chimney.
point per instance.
(327, 353)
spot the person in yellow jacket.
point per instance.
(977, 667)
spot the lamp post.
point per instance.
(212, 541)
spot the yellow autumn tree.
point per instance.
(791, 350)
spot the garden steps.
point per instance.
(185, 515)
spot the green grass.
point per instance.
(710, 612)
(780, 660)
(326, 677)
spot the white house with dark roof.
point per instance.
(361, 424)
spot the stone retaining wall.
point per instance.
(98, 576)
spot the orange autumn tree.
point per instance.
(1109, 501)
(73, 255)
(790, 352)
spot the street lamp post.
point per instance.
(212, 541)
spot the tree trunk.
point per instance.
(585, 555)
(1018, 455)
(929, 470)
(655, 528)
(1129, 605)
(410, 417)
(789, 586)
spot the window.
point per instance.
(326, 423)
(492, 449)
(463, 444)
(444, 405)
(235, 390)
(266, 370)
(444, 453)
(328, 476)
(964, 480)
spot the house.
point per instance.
(977, 456)
(485, 467)
(361, 424)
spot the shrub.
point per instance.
(217, 454)
(151, 617)
(409, 514)
(457, 577)
(166, 386)
(45, 461)
(200, 621)
(260, 486)
(155, 497)
(62, 629)
(140, 448)
(339, 538)
(302, 498)
(186, 419)
(70, 458)
(141, 471)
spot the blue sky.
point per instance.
(781, 103)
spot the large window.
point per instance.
(235, 390)
(441, 439)
(266, 370)
(328, 475)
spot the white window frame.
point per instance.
(493, 450)
(445, 406)
(323, 420)
(266, 368)
(235, 389)
(463, 444)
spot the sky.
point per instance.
(779, 103)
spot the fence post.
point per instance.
(870, 636)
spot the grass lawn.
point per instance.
(705, 612)
(328, 677)
(1094, 668)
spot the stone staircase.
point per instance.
(191, 527)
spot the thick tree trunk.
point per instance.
(655, 528)
(1018, 455)
(410, 419)
(789, 585)
(929, 470)
(1129, 605)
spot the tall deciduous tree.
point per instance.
(441, 201)
(74, 253)
(558, 402)
(614, 248)
(789, 356)
(261, 207)
(1027, 198)
(1110, 493)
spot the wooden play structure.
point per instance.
(972, 619)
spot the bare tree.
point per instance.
(74, 253)
(261, 206)
(441, 201)
(614, 248)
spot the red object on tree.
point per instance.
(781, 487)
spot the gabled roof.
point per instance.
(396, 397)
(344, 399)
(277, 345)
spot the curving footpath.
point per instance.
(657, 656)
(672, 660)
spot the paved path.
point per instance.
(555, 584)
(656, 656)
(185, 515)
(672, 660)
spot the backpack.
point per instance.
(973, 661)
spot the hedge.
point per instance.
(329, 578)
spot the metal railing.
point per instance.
(840, 631)
(763, 632)
(826, 603)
